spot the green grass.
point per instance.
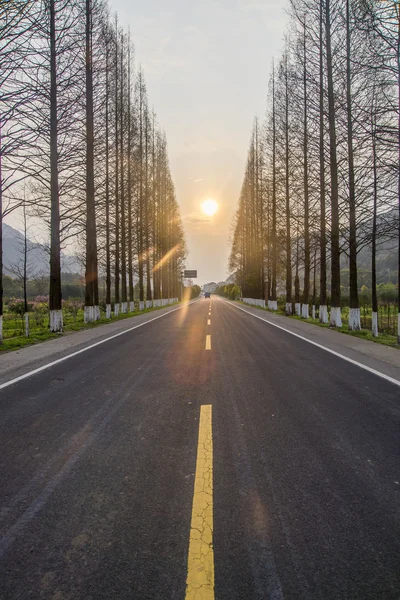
(71, 324)
(18, 342)
(384, 338)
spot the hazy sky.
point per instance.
(206, 65)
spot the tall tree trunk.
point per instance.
(147, 213)
(374, 223)
(117, 247)
(1, 235)
(91, 288)
(140, 211)
(56, 319)
(268, 245)
(273, 301)
(297, 303)
(354, 315)
(130, 232)
(306, 288)
(323, 308)
(156, 269)
(25, 270)
(108, 250)
(261, 241)
(154, 201)
(289, 307)
(398, 174)
(124, 298)
(25, 264)
(335, 320)
(314, 294)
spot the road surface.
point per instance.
(296, 454)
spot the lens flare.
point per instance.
(209, 207)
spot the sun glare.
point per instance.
(209, 207)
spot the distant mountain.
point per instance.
(212, 286)
(38, 258)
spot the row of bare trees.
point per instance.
(322, 180)
(77, 132)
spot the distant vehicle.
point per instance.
(207, 295)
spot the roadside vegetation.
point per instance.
(387, 312)
(22, 329)
(83, 160)
(318, 221)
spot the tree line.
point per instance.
(81, 150)
(322, 178)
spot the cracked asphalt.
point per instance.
(98, 457)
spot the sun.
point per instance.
(209, 207)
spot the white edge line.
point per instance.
(350, 360)
(112, 337)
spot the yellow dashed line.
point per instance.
(208, 342)
(200, 577)
(209, 322)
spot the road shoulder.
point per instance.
(14, 364)
(381, 358)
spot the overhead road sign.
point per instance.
(190, 274)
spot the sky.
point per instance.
(207, 67)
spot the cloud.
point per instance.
(195, 219)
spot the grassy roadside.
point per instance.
(384, 338)
(18, 342)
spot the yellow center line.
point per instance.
(208, 342)
(200, 577)
(209, 322)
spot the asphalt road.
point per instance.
(98, 460)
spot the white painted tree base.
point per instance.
(256, 302)
(274, 304)
(56, 321)
(336, 316)
(141, 305)
(297, 309)
(116, 310)
(305, 311)
(1, 329)
(323, 313)
(375, 331)
(149, 304)
(108, 311)
(313, 311)
(354, 319)
(91, 314)
(26, 319)
(131, 307)
(124, 308)
(398, 328)
(288, 308)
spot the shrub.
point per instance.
(17, 306)
(72, 307)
